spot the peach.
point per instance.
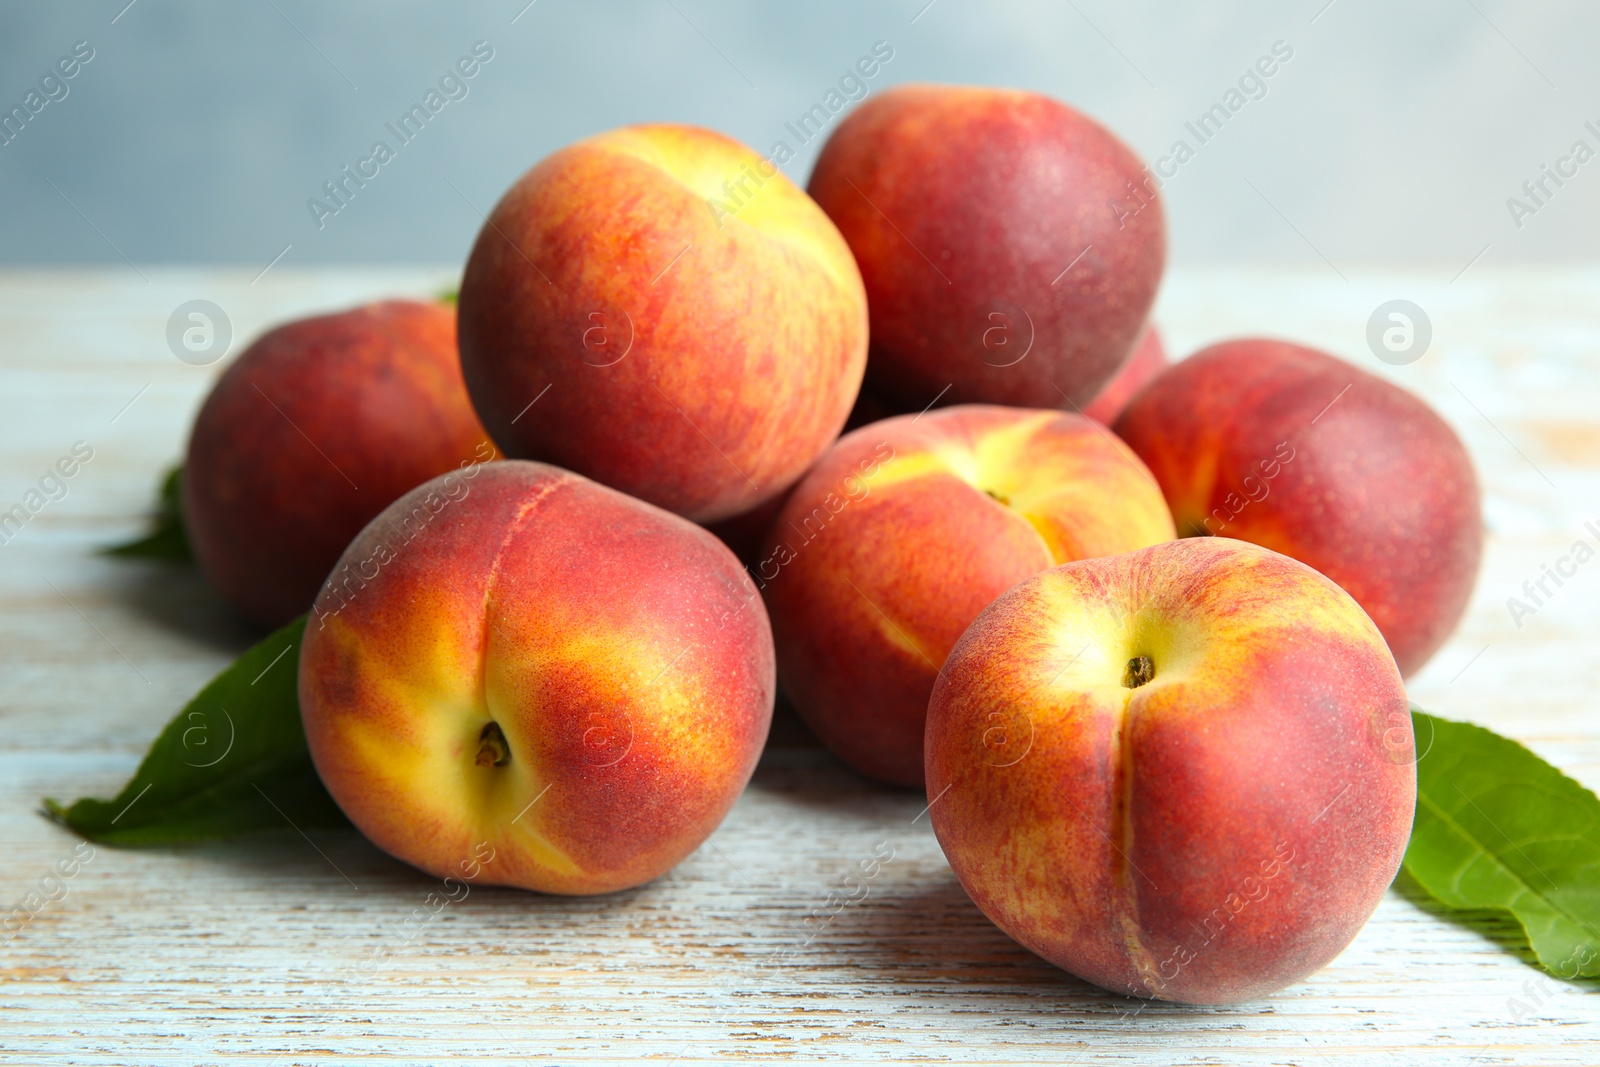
(1185, 772)
(660, 309)
(1011, 246)
(313, 430)
(1149, 359)
(1291, 448)
(541, 671)
(906, 530)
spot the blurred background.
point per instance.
(200, 133)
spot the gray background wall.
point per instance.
(198, 131)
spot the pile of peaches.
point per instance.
(1138, 629)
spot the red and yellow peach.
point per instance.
(660, 309)
(1186, 772)
(906, 530)
(541, 670)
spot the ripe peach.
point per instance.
(662, 310)
(1186, 772)
(1011, 246)
(1290, 448)
(545, 671)
(312, 431)
(906, 530)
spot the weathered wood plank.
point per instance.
(263, 951)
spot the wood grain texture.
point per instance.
(267, 951)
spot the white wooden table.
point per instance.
(242, 953)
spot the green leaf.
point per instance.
(167, 539)
(233, 761)
(450, 296)
(1499, 828)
